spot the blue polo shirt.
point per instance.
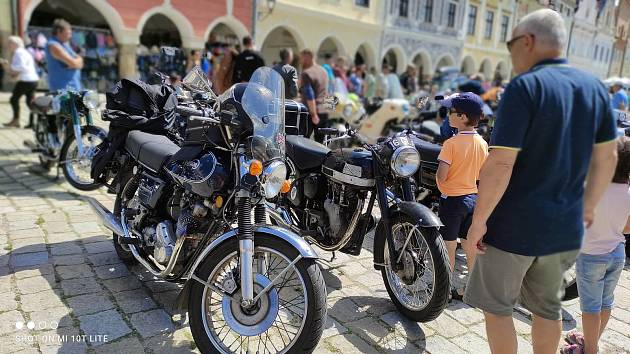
(553, 115)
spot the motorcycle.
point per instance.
(61, 137)
(372, 118)
(254, 286)
(326, 206)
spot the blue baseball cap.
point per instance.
(465, 102)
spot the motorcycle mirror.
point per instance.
(422, 102)
(439, 98)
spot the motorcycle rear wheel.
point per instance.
(214, 317)
(70, 163)
(129, 188)
(434, 271)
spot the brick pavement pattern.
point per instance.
(60, 274)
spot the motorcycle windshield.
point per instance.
(263, 101)
(197, 80)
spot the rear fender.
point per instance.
(426, 219)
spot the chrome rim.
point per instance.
(79, 167)
(416, 295)
(276, 322)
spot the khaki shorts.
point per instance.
(501, 279)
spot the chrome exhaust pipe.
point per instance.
(107, 218)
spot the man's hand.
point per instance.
(475, 237)
(315, 119)
(589, 216)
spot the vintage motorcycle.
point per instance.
(326, 205)
(251, 288)
(61, 137)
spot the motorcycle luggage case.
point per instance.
(351, 166)
(295, 118)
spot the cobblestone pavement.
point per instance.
(58, 270)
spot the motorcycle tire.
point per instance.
(86, 130)
(125, 255)
(314, 287)
(442, 274)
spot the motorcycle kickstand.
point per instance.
(58, 174)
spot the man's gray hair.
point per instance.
(547, 26)
(17, 41)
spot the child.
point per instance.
(460, 161)
(602, 257)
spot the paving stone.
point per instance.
(408, 328)
(344, 310)
(8, 321)
(29, 259)
(350, 343)
(333, 328)
(10, 344)
(177, 342)
(446, 326)
(471, 343)
(34, 271)
(167, 300)
(5, 284)
(99, 247)
(35, 284)
(63, 237)
(28, 245)
(18, 234)
(79, 286)
(111, 271)
(62, 340)
(65, 248)
(122, 284)
(99, 259)
(437, 344)
(128, 345)
(88, 304)
(134, 301)
(42, 300)
(73, 259)
(158, 286)
(107, 323)
(8, 303)
(55, 317)
(369, 329)
(465, 314)
(397, 343)
(57, 227)
(74, 271)
(152, 322)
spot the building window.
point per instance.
(403, 8)
(505, 22)
(601, 55)
(364, 3)
(561, 9)
(472, 19)
(489, 22)
(428, 11)
(595, 53)
(452, 10)
(392, 7)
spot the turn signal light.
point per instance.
(218, 202)
(255, 168)
(286, 187)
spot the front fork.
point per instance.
(76, 125)
(383, 204)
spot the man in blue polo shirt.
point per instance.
(554, 126)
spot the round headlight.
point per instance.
(90, 100)
(405, 161)
(273, 176)
(347, 110)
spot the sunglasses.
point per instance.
(511, 42)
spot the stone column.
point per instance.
(127, 67)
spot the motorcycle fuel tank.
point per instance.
(351, 166)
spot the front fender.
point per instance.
(426, 219)
(286, 235)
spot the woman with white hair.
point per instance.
(23, 68)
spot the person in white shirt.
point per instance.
(22, 67)
(602, 257)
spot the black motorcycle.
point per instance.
(255, 287)
(326, 206)
(65, 134)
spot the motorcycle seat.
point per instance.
(429, 152)
(151, 150)
(41, 104)
(305, 153)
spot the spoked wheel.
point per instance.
(77, 167)
(288, 318)
(570, 284)
(420, 289)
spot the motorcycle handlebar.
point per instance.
(188, 112)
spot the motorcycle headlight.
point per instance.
(90, 100)
(273, 177)
(405, 161)
(347, 110)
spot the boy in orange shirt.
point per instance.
(460, 161)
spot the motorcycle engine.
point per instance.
(340, 205)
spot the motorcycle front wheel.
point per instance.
(420, 289)
(77, 168)
(289, 318)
